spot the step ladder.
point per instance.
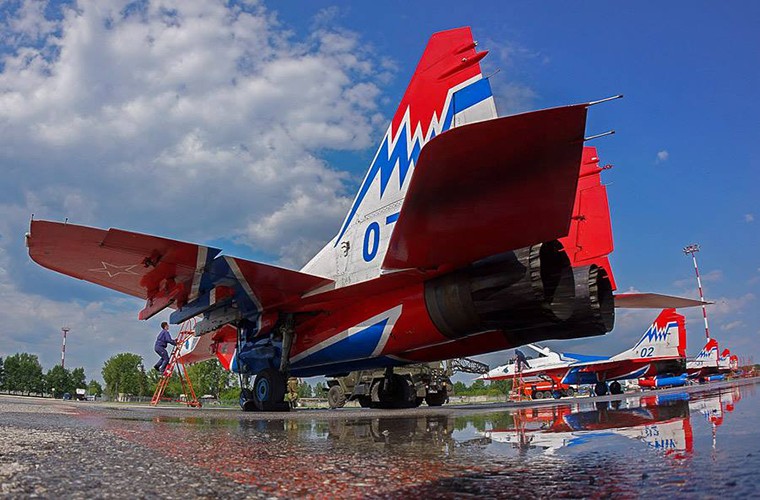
(175, 362)
(517, 392)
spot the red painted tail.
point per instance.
(589, 240)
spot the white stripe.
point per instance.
(200, 264)
(392, 315)
(239, 275)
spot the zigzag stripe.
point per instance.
(404, 149)
(655, 334)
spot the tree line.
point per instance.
(22, 373)
(125, 373)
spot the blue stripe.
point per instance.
(385, 163)
(391, 218)
(472, 95)
(356, 346)
(346, 367)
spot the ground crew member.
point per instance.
(520, 360)
(164, 338)
(292, 395)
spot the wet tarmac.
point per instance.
(703, 443)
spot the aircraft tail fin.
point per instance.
(589, 240)
(446, 90)
(665, 338)
(707, 357)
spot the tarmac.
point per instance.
(53, 448)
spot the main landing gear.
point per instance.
(260, 356)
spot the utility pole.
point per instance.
(65, 330)
(693, 249)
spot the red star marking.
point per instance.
(113, 270)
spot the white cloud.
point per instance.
(689, 284)
(195, 120)
(662, 156)
(733, 325)
(749, 218)
(190, 115)
(513, 97)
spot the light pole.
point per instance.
(65, 330)
(693, 249)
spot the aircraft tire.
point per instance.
(538, 394)
(547, 394)
(570, 392)
(615, 388)
(246, 400)
(600, 389)
(436, 399)
(336, 398)
(269, 390)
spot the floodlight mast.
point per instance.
(692, 250)
(65, 330)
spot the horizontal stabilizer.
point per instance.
(654, 301)
(490, 187)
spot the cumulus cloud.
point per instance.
(662, 156)
(749, 218)
(183, 114)
(196, 120)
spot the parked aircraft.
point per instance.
(450, 249)
(662, 349)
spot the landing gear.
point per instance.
(616, 388)
(269, 391)
(246, 400)
(600, 389)
(260, 356)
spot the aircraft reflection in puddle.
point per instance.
(714, 406)
(660, 421)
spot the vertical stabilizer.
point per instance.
(707, 357)
(447, 90)
(589, 240)
(665, 338)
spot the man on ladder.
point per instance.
(518, 386)
(164, 338)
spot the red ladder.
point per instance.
(175, 361)
(517, 391)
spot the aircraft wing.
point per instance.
(518, 174)
(654, 301)
(164, 272)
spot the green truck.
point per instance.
(401, 387)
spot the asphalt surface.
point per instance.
(52, 448)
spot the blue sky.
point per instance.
(249, 126)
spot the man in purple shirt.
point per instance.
(164, 338)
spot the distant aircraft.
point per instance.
(708, 364)
(449, 249)
(662, 349)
